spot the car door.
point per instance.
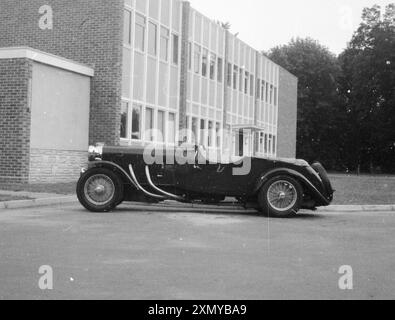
(211, 178)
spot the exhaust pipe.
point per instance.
(141, 188)
(169, 195)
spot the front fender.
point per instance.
(114, 167)
(297, 175)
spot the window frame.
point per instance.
(164, 40)
(159, 124)
(151, 138)
(168, 137)
(143, 26)
(155, 28)
(229, 74)
(130, 18)
(246, 82)
(205, 61)
(126, 128)
(197, 54)
(220, 69)
(175, 51)
(241, 79)
(140, 134)
(212, 66)
(235, 77)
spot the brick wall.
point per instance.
(86, 31)
(15, 86)
(287, 115)
(52, 166)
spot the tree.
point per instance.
(367, 87)
(320, 113)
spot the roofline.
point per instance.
(45, 58)
(290, 73)
(259, 52)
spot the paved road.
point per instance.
(142, 255)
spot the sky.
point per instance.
(265, 24)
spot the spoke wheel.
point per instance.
(100, 190)
(281, 197)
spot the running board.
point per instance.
(167, 194)
(156, 196)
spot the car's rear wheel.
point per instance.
(281, 197)
(100, 190)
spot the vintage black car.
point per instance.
(276, 187)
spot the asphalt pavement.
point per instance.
(134, 254)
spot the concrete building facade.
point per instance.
(159, 71)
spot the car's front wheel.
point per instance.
(100, 190)
(281, 197)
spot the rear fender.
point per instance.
(298, 176)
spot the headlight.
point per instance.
(95, 152)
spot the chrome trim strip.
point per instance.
(147, 173)
(132, 179)
(141, 188)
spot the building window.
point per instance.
(204, 63)
(149, 124)
(202, 131)
(190, 55)
(152, 37)
(210, 134)
(266, 144)
(252, 82)
(235, 73)
(194, 130)
(161, 126)
(213, 61)
(172, 128)
(140, 32)
(275, 96)
(258, 88)
(271, 94)
(267, 92)
(218, 134)
(127, 28)
(136, 122)
(164, 44)
(175, 48)
(274, 145)
(270, 144)
(241, 82)
(196, 59)
(246, 84)
(229, 75)
(263, 91)
(220, 70)
(124, 120)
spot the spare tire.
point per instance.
(319, 168)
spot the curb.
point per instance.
(238, 209)
(182, 207)
(34, 203)
(358, 208)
